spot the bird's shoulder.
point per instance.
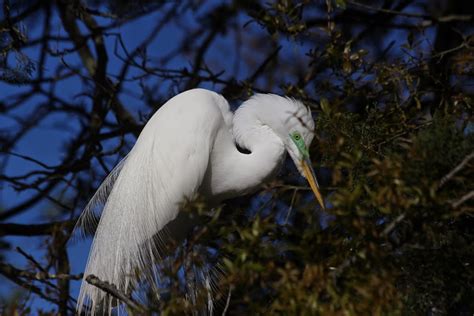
(199, 104)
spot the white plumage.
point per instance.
(187, 148)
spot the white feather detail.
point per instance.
(87, 222)
(165, 167)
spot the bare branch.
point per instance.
(456, 169)
(113, 291)
(463, 199)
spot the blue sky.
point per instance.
(46, 143)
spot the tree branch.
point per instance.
(113, 291)
(458, 168)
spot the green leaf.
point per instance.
(325, 107)
(341, 4)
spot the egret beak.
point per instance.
(313, 182)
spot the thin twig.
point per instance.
(113, 291)
(463, 199)
(227, 303)
(291, 206)
(442, 19)
(458, 168)
(392, 224)
(13, 229)
(27, 158)
(15, 275)
(32, 260)
(264, 65)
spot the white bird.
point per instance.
(189, 146)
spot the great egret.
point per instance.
(189, 146)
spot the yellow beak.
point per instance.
(313, 182)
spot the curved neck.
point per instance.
(235, 173)
(261, 164)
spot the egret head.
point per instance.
(299, 129)
(298, 150)
(291, 121)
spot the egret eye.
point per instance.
(299, 142)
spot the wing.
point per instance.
(165, 167)
(87, 222)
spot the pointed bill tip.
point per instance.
(313, 182)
